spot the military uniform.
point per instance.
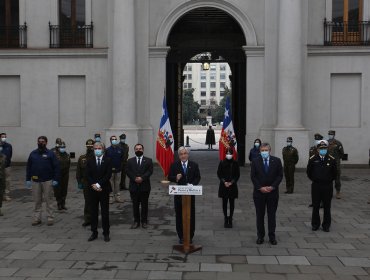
(336, 150)
(290, 157)
(313, 149)
(2, 180)
(82, 179)
(322, 171)
(125, 148)
(60, 192)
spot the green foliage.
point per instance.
(189, 107)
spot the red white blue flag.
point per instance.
(228, 138)
(165, 141)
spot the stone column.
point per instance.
(123, 64)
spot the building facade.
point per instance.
(304, 69)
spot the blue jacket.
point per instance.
(115, 153)
(42, 166)
(8, 152)
(254, 153)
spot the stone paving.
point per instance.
(62, 251)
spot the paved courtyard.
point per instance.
(62, 251)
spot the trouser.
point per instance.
(101, 198)
(321, 192)
(87, 206)
(140, 198)
(2, 189)
(289, 176)
(60, 191)
(338, 183)
(224, 205)
(115, 182)
(43, 190)
(261, 202)
(178, 210)
(123, 177)
(7, 180)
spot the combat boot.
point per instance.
(338, 195)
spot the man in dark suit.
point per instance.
(98, 173)
(139, 170)
(183, 172)
(266, 175)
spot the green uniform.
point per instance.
(335, 149)
(2, 178)
(82, 180)
(290, 157)
(61, 190)
(125, 149)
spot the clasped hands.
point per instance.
(138, 180)
(266, 189)
(228, 184)
(96, 187)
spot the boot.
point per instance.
(338, 195)
(59, 206)
(63, 205)
(230, 222)
(226, 222)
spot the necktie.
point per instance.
(139, 161)
(98, 161)
(266, 166)
(184, 167)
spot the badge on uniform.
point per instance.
(44, 155)
(35, 177)
(328, 164)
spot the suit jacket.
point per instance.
(272, 178)
(192, 176)
(99, 175)
(145, 170)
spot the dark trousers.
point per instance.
(60, 191)
(2, 190)
(321, 192)
(122, 184)
(87, 211)
(95, 199)
(338, 183)
(140, 198)
(178, 210)
(261, 202)
(289, 170)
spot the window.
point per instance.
(213, 76)
(185, 86)
(222, 93)
(203, 76)
(190, 85)
(222, 67)
(213, 67)
(213, 93)
(203, 84)
(190, 76)
(203, 93)
(186, 68)
(190, 68)
(222, 76)
(9, 24)
(222, 85)
(213, 84)
(203, 102)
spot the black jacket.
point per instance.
(322, 172)
(272, 178)
(192, 176)
(100, 175)
(145, 170)
(228, 171)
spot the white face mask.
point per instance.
(3, 139)
(289, 143)
(228, 156)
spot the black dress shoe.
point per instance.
(315, 228)
(326, 229)
(273, 242)
(106, 238)
(85, 224)
(144, 225)
(259, 241)
(134, 225)
(310, 205)
(92, 237)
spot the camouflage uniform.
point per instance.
(82, 179)
(290, 157)
(61, 190)
(2, 179)
(336, 150)
(125, 148)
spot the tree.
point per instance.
(219, 111)
(189, 107)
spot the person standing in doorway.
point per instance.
(210, 138)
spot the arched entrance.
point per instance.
(207, 29)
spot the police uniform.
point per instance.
(125, 148)
(322, 171)
(2, 179)
(82, 179)
(60, 192)
(336, 150)
(290, 157)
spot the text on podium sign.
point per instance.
(185, 190)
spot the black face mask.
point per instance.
(41, 146)
(139, 153)
(89, 151)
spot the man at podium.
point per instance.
(183, 172)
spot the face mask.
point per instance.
(97, 139)
(89, 151)
(114, 142)
(289, 143)
(331, 137)
(98, 153)
(41, 146)
(265, 154)
(257, 145)
(228, 156)
(3, 139)
(62, 150)
(323, 152)
(139, 153)
(123, 141)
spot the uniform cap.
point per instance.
(58, 141)
(122, 136)
(90, 143)
(318, 136)
(322, 144)
(62, 145)
(289, 139)
(331, 132)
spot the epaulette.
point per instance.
(312, 156)
(331, 157)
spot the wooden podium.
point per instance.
(186, 247)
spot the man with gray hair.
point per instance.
(183, 172)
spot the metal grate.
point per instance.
(71, 37)
(13, 36)
(346, 33)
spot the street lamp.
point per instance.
(205, 66)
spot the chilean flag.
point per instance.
(227, 138)
(165, 141)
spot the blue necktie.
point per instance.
(266, 166)
(184, 167)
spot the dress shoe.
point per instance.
(85, 224)
(259, 241)
(36, 223)
(315, 228)
(338, 195)
(134, 225)
(59, 206)
(144, 225)
(106, 238)
(50, 222)
(230, 222)
(93, 237)
(273, 242)
(310, 205)
(181, 241)
(326, 229)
